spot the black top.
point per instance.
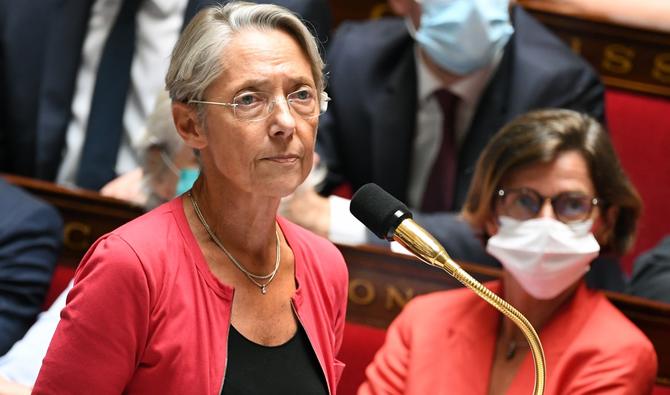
(291, 368)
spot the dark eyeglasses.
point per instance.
(526, 203)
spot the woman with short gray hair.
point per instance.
(197, 59)
(213, 292)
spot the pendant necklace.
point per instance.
(512, 347)
(254, 278)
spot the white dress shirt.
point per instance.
(158, 26)
(344, 227)
(23, 361)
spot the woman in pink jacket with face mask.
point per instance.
(549, 195)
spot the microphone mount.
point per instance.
(390, 219)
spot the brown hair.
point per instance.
(539, 137)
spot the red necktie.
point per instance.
(439, 193)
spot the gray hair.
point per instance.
(160, 129)
(196, 58)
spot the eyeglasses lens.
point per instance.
(252, 106)
(571, 207)
(303, 102)
(521, 205)
(526, 204)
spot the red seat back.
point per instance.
(640, 130)
(61, 277)
(360, 344)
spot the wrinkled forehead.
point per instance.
(262, 59)
(261, 52)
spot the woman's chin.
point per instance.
(282, 186)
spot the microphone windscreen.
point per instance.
(378, 210)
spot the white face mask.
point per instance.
(544, 255)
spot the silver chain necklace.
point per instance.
(254, 278)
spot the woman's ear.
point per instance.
(491, 226)
(188, 125)
(400, 7)
(603, 226)
(407, 8)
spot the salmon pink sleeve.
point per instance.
(104, 327)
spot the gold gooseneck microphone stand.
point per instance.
(417, 240)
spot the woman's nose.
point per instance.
(546, 210)
(283, 118)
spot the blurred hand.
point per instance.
(127, 186)
(308, 209)
(10, 388)
(305, 206)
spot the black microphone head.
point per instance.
(378, 210)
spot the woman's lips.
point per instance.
(285, 159)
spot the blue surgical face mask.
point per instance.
(187, 177)
(462, 36)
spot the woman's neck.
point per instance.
(244, 223)
(538, 312)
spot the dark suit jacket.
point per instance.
(40, 52)
(651, 273)
(30, 239)
(367, 133)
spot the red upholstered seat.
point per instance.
(640, 130)
(360, 344)
(62, 276)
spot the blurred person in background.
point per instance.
(651, 273)
(81, 77)
(417, 97)
(31, 235)
(169, 169)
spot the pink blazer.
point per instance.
(443, 343)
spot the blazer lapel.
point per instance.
(393, 124)
(479, 349)
(557, 336)
(472, 346)
(492, 112)
(61, 65)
